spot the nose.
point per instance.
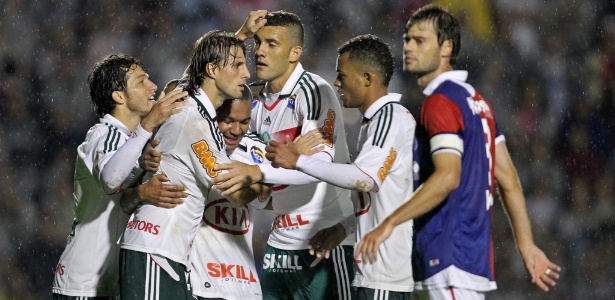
(258, 50)
(246, 72)
(153, 86)
(236, 129)
(337, 83)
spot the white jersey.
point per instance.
(191, 145)
(89, 266)
(385, 150)
(306, 102)
(222, 258)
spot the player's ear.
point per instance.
(295, 54)
(119, 97)
(367, 78)
(446, 49)
(211, 70)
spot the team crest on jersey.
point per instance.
(329, 128)
(257, 154)
(221, 216)
(265, 137)
(384, 170)
(291, 101)
(254, 102)
(206, 157)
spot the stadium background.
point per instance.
(548, 68)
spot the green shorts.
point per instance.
(288, 274)
(370, 294)
(64, 297)
(143, 278)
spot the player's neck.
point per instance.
(425, 79)
(276, 85)
(372, 96)
(129, 119)
(213, 93)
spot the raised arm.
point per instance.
(541, 269)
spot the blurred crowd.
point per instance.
(548, 68)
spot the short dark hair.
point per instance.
(371, 52)
(289, 20)
(213, 47)
(445, 24)
(107, 76)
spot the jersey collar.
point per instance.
(378, 104)
(450, 75)
(206, 108)
(111, 120)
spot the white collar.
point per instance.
(449, 75)
(203, 102)
(113, 121)
(375, 107)
(290, 84)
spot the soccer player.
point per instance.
(156, 245)
(223, 260)
(382, 173)
(122, 94)
(453, 255)
(290, 102)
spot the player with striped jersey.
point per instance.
(223, 260)
(157, 242)
(453, 254)
(122, 94)
(382, 172)
(290, 102)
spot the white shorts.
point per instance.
(448, 293)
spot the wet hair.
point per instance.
(225, 109)
(213, 47)
(372, 53)
(445, 24)
(289, 20)
(109, 75)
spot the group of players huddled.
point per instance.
(165, 189)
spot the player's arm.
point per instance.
(248, 194)
(155, 191)
(347, 176)
(254, 21)
(536, 262)
(122, 166)
(240, 175)
(430, 194)
(321, 243)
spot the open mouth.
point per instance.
(231, 140)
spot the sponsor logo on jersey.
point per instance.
(281, 263)
(221, 216)
(228, 272)
(329, 128)
(206, 157)
(288, 222)
(254, 102)
(144, 226)
(267, 121)
(60, 269)
(434, 262)
(478, 106)
(364, 203)
(384, 170)
(291, 101)
(258, 155)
